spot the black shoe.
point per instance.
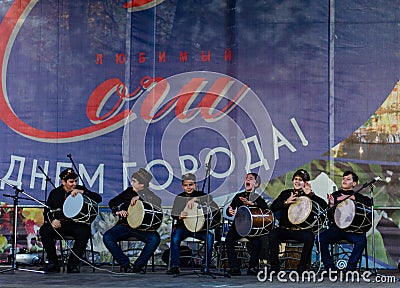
(234, 271)
(136, 269)
(173, 271)
(252, 271)
(74, 269)
(51, 268)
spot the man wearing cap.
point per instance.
(287, 230)
(55, 222)
(190, 198)
(121, 231)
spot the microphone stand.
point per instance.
(48, 179)
(14, 264)
(77, 171)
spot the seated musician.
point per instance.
(251, 199)
(334, 234)
(184, 202)
(287, 230)
(122, 231)
(55, 222)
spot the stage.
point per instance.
(103, 277)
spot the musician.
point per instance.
(55, 222)
(121, 231)
(334, 234)
(288, 231)
(183, 201)
(251, 199)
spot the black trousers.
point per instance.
(254, 248)
(81, 233)
(280, 235)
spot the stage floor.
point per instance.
(104, 277)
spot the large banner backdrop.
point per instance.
(174, 85)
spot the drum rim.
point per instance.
(251, 220)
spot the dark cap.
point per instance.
(142, 176)
(189, 176)
(303, 174)
(68, 173)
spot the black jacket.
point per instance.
(56, 201)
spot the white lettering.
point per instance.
(279, 140)
(170, 173)
(192, 159)
(296, 126)
(99, 173)
(231, 157)
(125, 174)
(262, 162)
(40, 175)
(18, 182)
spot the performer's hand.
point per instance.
(122, 213)
(231, 211)
(56, 223)
(246, 201)
(134, 199)
(292, 199)
(75, 192)
(190, 203)
(184, 214)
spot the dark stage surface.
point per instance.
(103, 278)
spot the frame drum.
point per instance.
(253, 221)
(196, 221)
(80, 208)
(144, 216)
(353, 216)
(306, 214)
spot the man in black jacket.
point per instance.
(334, 234)
(251, 199)
(121, 231)
(287, 230)
(56, 222)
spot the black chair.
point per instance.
(62, 250)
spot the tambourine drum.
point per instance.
(306, 214)
(144, 216)
(253, 221)
(196, 219)
(80, 208)
(353, 216)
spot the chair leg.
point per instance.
(91, 250)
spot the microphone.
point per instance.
(371, 182)
(69, 155)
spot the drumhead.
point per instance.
(243, 221)
(73, 205)
(344, 213)
(299, 211)
(195, 220)
(135, 214)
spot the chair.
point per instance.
(129, 248)
(71, 238)
(339, 252)
(290, 254)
